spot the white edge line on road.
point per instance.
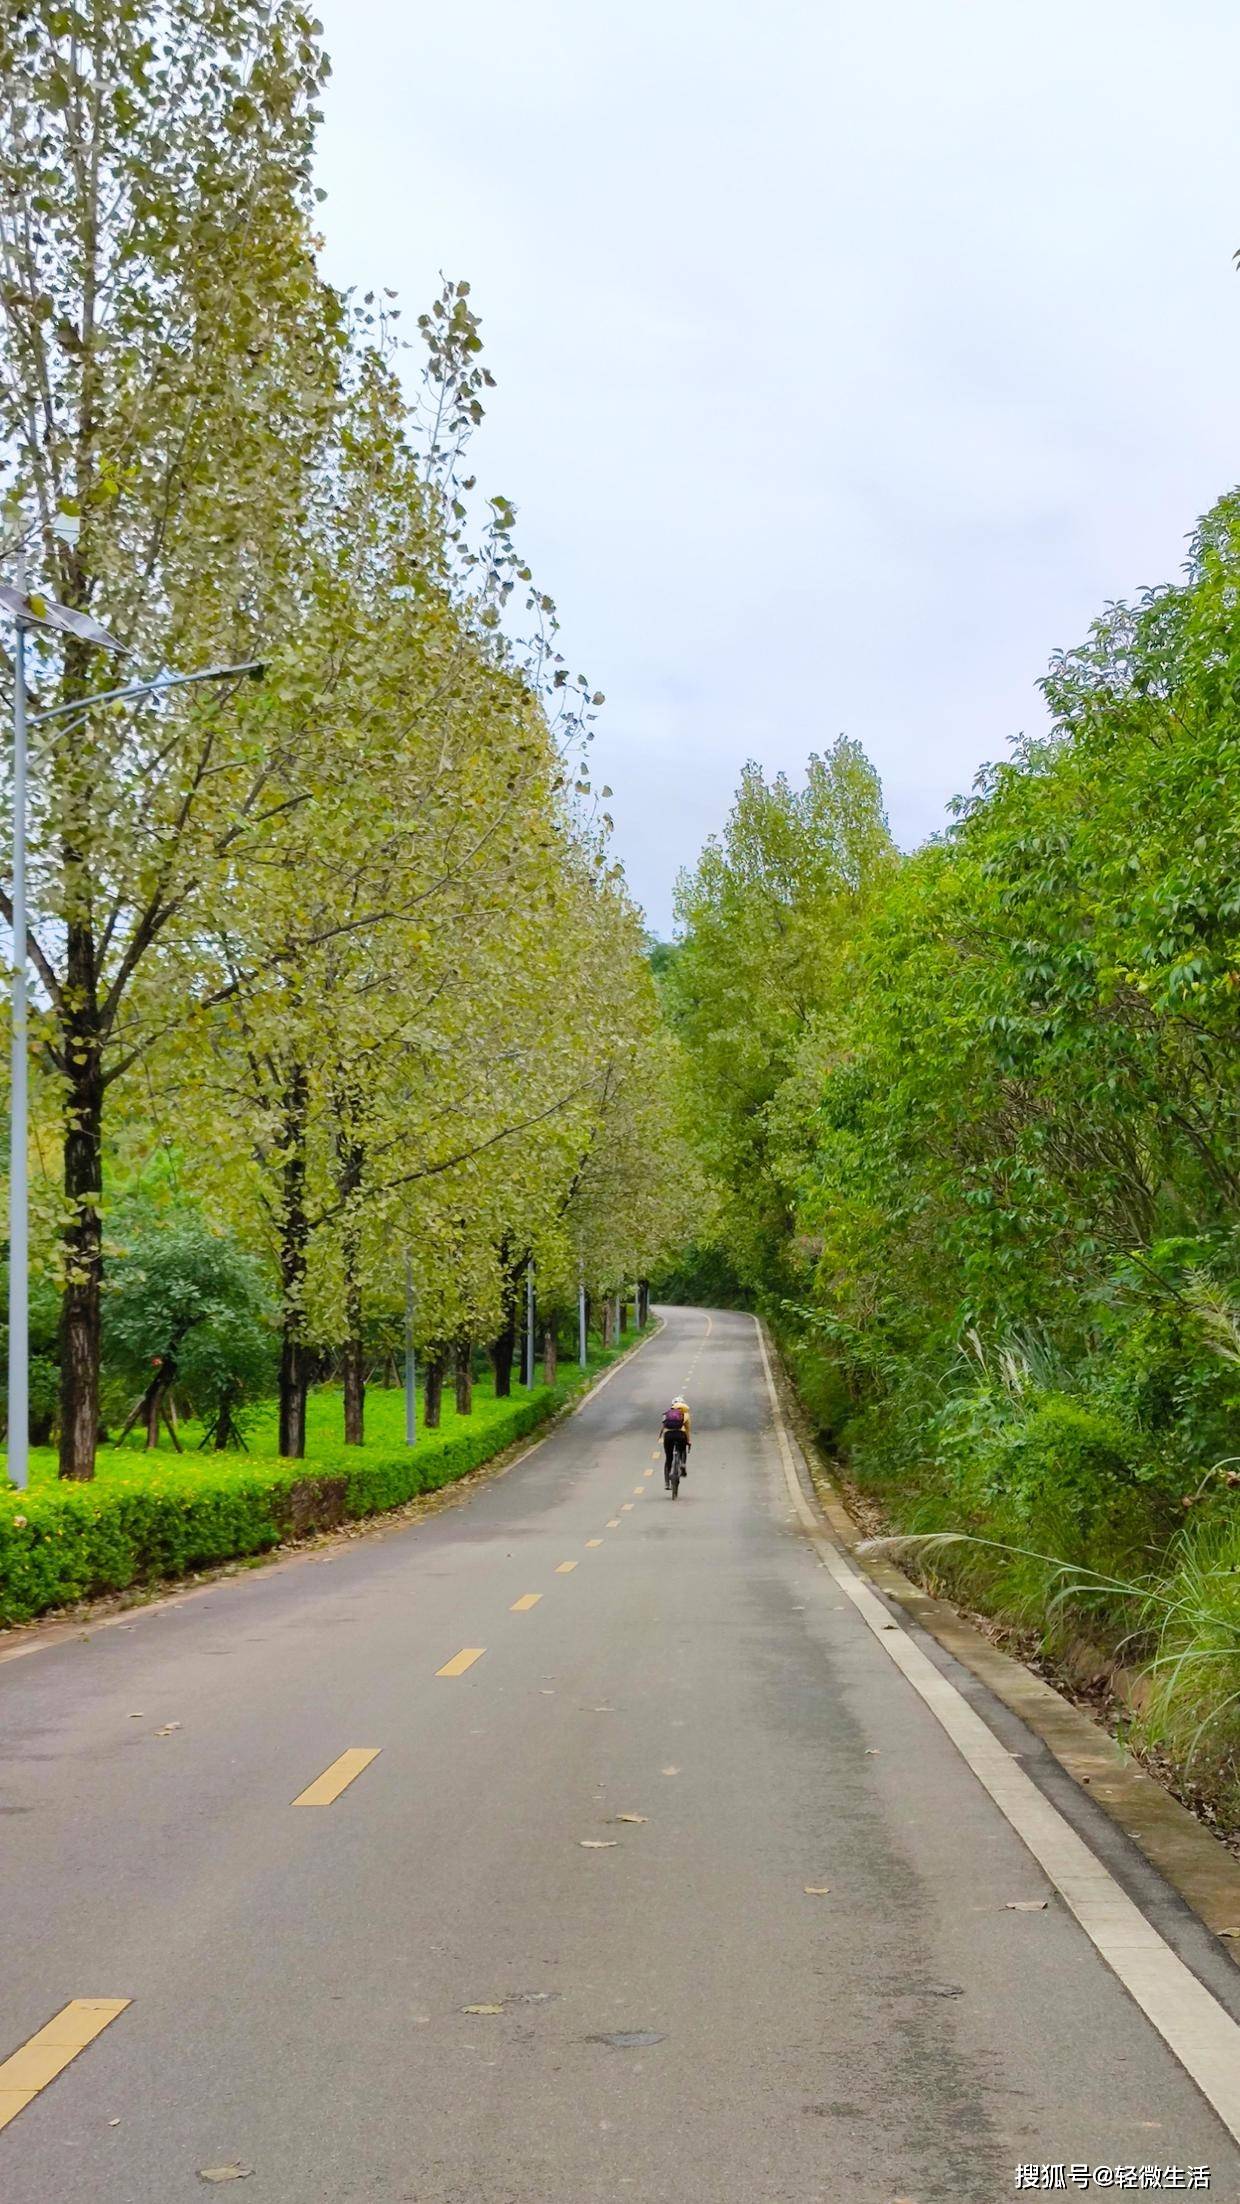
(1192, 2023)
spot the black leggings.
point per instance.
(671, 1440)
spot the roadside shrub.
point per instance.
(1080, 1460)
(1194, 1708)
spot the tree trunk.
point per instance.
(464, 1378)
(504, 1345)
(607, 1308)
(354, 1392)
(83, 1184)
(503, 1354)
(295, 1361)
(154, 1394)
(433, 1394)
(354, 1357)
(549, 1354)
(351, 1164)
(226, 1432)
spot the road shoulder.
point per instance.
(1198, 1867)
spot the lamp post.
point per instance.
(44, 612)
(529, 1322)
(19, 1254)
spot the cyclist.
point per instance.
(675, 1432)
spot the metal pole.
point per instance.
(582, 1351)
(529, 1322)
(411, 1368)
(19, 1253)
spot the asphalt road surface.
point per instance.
(678, 1891)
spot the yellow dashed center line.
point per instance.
(638, 1490)
(594, 1541)
(49, 2051)
(625, 1505)
(613, 1523)
(523, 1605)
(564, 1568)
(461, 1661)
(338, 1777)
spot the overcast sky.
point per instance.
(850, 356)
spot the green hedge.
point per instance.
(138, 1523)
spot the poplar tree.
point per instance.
(167, 362)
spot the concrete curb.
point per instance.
(1198, 1867)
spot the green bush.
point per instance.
(1079, 1459)
(146, 1518)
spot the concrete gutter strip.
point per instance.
(1197, 1866)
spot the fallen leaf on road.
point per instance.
(1027, 1905)
(630, 1817)
(816, 1890)
(114, 2123)
(167, 1729)
(482, 2008)
(1229, 1932)
(669, 1771)
(234, 2172)
(873, 1752)
(630, 2039)
(597, 1844)
(140, 1716)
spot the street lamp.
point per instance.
(44, 612)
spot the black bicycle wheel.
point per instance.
(675, 1480)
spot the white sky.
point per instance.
(851, 353)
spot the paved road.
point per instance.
(301, 1978)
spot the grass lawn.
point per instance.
(385, 1428)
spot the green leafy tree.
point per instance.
(189, 1314)
(167, 359)
(765, 922)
